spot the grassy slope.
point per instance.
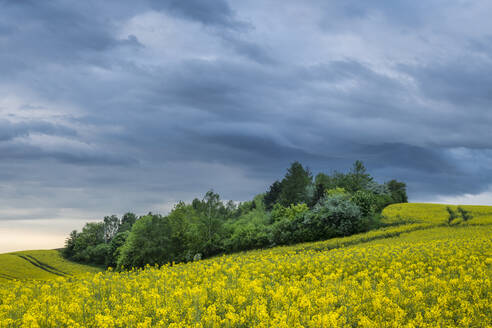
(39, 264)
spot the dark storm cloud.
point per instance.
(139, 105)
(8, 130)
(430, 161)
(16, 152)
(462, 82)
(215, 13)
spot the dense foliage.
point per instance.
(296, 209)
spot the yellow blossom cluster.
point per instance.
(418, 277)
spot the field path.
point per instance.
(39, 265)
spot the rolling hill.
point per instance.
(39, 265)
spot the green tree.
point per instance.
(273, 194)
(398, 191)
(212, 214)
(186, 234)
(111, 226)
(149, 242)
(115, 248)
(69, 251)
(249, 231)
(127, 221)
(91, 236)
(295, 185)
(358, 178)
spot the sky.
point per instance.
(115, 106)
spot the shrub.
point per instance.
(248, 231)
(149, 242)
(280, 212)
(452, 215)
(465, 215)
(332, 216)
(339, 213)
(366, 201)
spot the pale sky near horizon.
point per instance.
(115, 106)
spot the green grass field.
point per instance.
(39, 265)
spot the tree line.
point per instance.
(298, 208)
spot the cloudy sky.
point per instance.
(111, 106)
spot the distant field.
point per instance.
(39, 265)
(432, 213)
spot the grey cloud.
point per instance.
(23, 152)
(428, 160)
(401, 15)
(56, 33)
(482, 46)
(9, 130)
(248, 49)
(156, 129)
(215, 13)
(463, 81)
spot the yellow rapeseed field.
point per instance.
(417, 275)
(433, 213)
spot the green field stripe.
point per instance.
(40, 266)
(47, 266)
(363, 240)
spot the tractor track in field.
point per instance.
(6, 276)
(47, 265)
(42, 266)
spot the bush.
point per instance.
(341, 214)
(382, 200)
(149, 242)
(249, 236)
(280, 212)
(366, 201)
(332, 216)
(452, 215)
(249, 231)
(337, 192)
(99, 254)
(465, 215)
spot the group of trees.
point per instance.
(100, 242)
(299, 208)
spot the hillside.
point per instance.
(421, 274)
(432, 213)
(40, 265)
